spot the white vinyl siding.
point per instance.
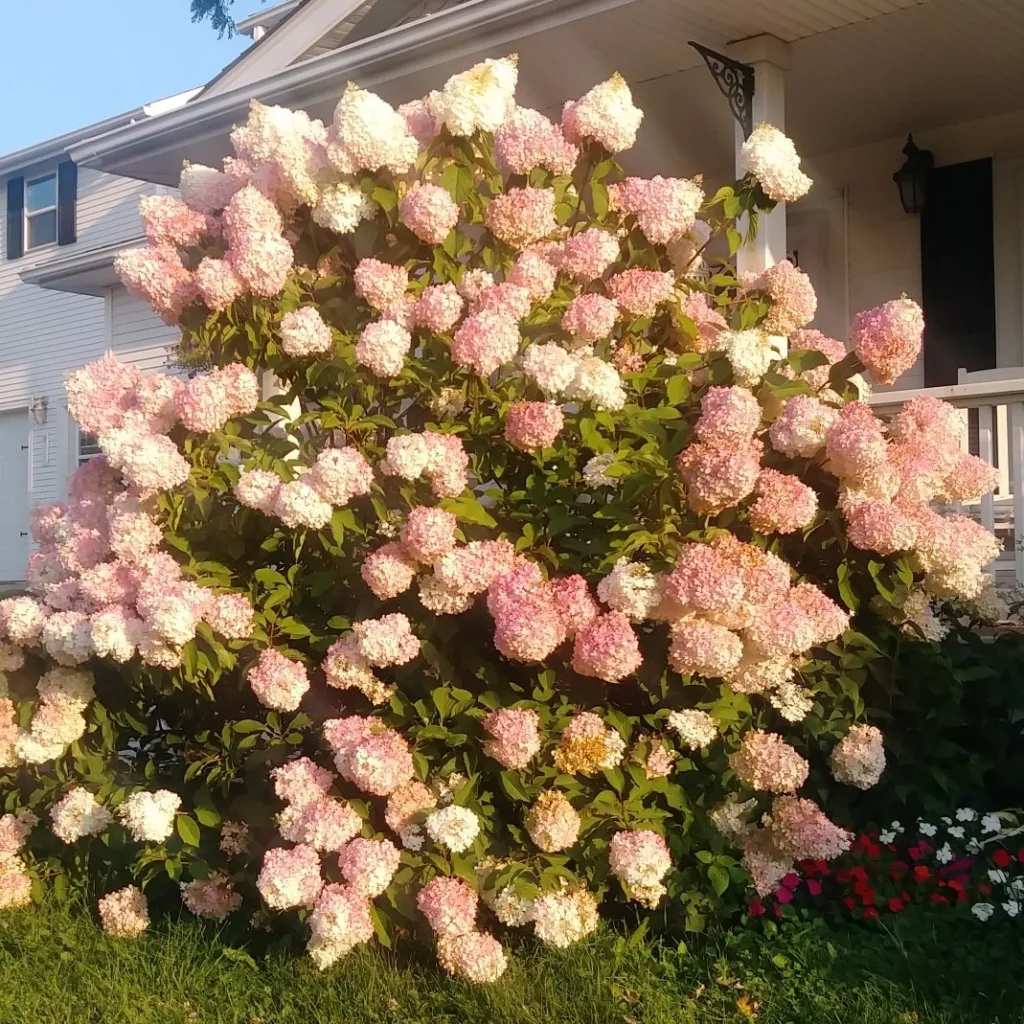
(45, 334)
(138, 335)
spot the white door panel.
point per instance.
(13, 494)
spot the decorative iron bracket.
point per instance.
(736, 82)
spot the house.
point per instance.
(848, 80)
(61, 306)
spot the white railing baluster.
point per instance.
(1017, 473)
(1003, 451)
(986, 451)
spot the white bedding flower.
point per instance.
(983, 911)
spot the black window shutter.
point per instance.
(15, 218)
(67, 199)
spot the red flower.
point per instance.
(1020, 855)
(914, 853)
(924, 846)
(843, 875)
(1001, 858)
(870, 914)
(859, 873)
(868, 898)
(937, 897)
(895, 905)
(906, 896)
(899, 866)
(922, 873)
(963, 896)
(813, 887)
(956, 884)
(985, 890)
(791, 881)
(784, 895)
(849, 902)
(756, 908)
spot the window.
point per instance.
(40, 211)
(88, 448)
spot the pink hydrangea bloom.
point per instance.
(447, 463)
(784, 503)
(157, 276)
(263, 260)
(605, 114)
(718, 475)
(301, 781)
(505, 300)
(474, 567)
(522, 216)
(449, 905)
(802, 427)
(420, 120)
(258, 489)
(640, 292)
(766, 761)
(475, 956)
(589, 318)
(382, 285)
(297, 505)
(830, 621)
(169, 222)
(665, 208)
(814, 341)
(388, 571)
(515, 737)
(219, 283)
(438, 308)
(304, 333)
(880, 526)
(386, 641)
(607, 648)
(639, 858)
(729, 414)
(339, 475)
(404, 803)
(368, 865)
(484, 342)
(206, 189)
(277, 681)
(588, 254)
(378, 763)
(213, 897)
(528, 139)
(703, 648)
(124, 913)
(573, 601)
(368, 134)
(530, 426)
(382, 347)
(290, 877)
(791, 295)
(709, 322)
(21, 620)
(550, 367)
(800, 829)
(429, 212)
(534, 274)
(855, 442)
(428, 533)
(340, 921)
(887, 339)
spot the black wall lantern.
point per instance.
(912, 177)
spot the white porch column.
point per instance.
(770, 58)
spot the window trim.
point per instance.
(81, 459)
(54, 209)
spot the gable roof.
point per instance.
(300, 30)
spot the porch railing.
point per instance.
(994, 432)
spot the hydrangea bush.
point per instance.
(503, 559)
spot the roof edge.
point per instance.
(442, 36)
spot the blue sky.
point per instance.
(79, 61)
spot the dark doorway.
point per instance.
(958, 272)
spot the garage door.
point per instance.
(13, 494)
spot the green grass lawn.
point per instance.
(56, 966)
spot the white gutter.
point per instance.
(421, 44)
(266, 18)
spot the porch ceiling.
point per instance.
(863, 70)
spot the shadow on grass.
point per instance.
(58, 968)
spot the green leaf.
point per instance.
(188, 830)
(247, 725)
(678, 389)
(719, 879)
(513, 786)
(469, 510)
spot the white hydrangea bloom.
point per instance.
(594, 474)
(630, 588)
(771, 159)
(453, 827)
(792, 701)
(750, 353)
(150, 816)
(696, 729)
(341, 208)
(78, 814)
(599, 383)
(480, 99)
